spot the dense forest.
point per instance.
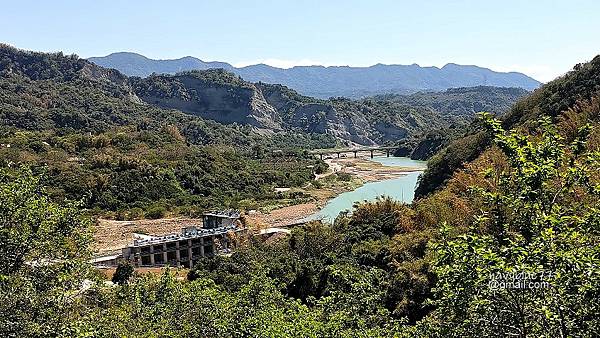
(505, 244)
(567, 92)
(118, 143)
(526, 212)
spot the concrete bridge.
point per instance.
(339, 151)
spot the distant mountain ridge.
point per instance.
(325, 82)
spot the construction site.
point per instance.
(212, 237)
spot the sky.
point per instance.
(542, 39)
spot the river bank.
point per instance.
(344, 175)
(360, 171)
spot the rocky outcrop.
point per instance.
(226, 98)
(219, 101)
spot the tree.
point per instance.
(43, 257)
(530, 263)
(123, 273)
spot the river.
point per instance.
(401, 188)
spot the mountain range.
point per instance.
(40, 91)
(334, 81)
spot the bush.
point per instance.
(123, 273)
(156, 212)
(344, 177)
(135, 213)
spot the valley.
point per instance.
(198, 202)
(345, 175)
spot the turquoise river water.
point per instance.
(401, 188)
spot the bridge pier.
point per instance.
(389, 151)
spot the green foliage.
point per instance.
(82, 125)
(539, 222)
(123, 273)
(552, 99)
(370, 274)
(156, 212)
(441, 166)
(372, 220)
(43, 248)
(345, 177)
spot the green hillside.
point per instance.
(552, 99)
(505, 244)
(221, 96)
(95, 139)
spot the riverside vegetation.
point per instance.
(120, 144)
(526, 204)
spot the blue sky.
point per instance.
(540, 38)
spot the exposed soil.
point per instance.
(111, 236)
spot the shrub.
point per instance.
(123, 273)
(156, 212)
(344, 177)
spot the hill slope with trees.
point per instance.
(221, 96)
(85, 127)
(508, 248)
(552, 99)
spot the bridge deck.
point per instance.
(350, 150)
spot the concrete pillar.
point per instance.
(177, 254)
(190, 260)
(152, 255)
(164, 253)
(137, 256)
(202, 246)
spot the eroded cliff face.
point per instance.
(224, 97)
(325, 119)
(221, 102)
(266, 107)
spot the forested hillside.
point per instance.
(46, 91)
(508, 248)
(552, 99)
(95, 139)
(96, 131)
(224, 97)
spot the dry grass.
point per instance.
(112, 235)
